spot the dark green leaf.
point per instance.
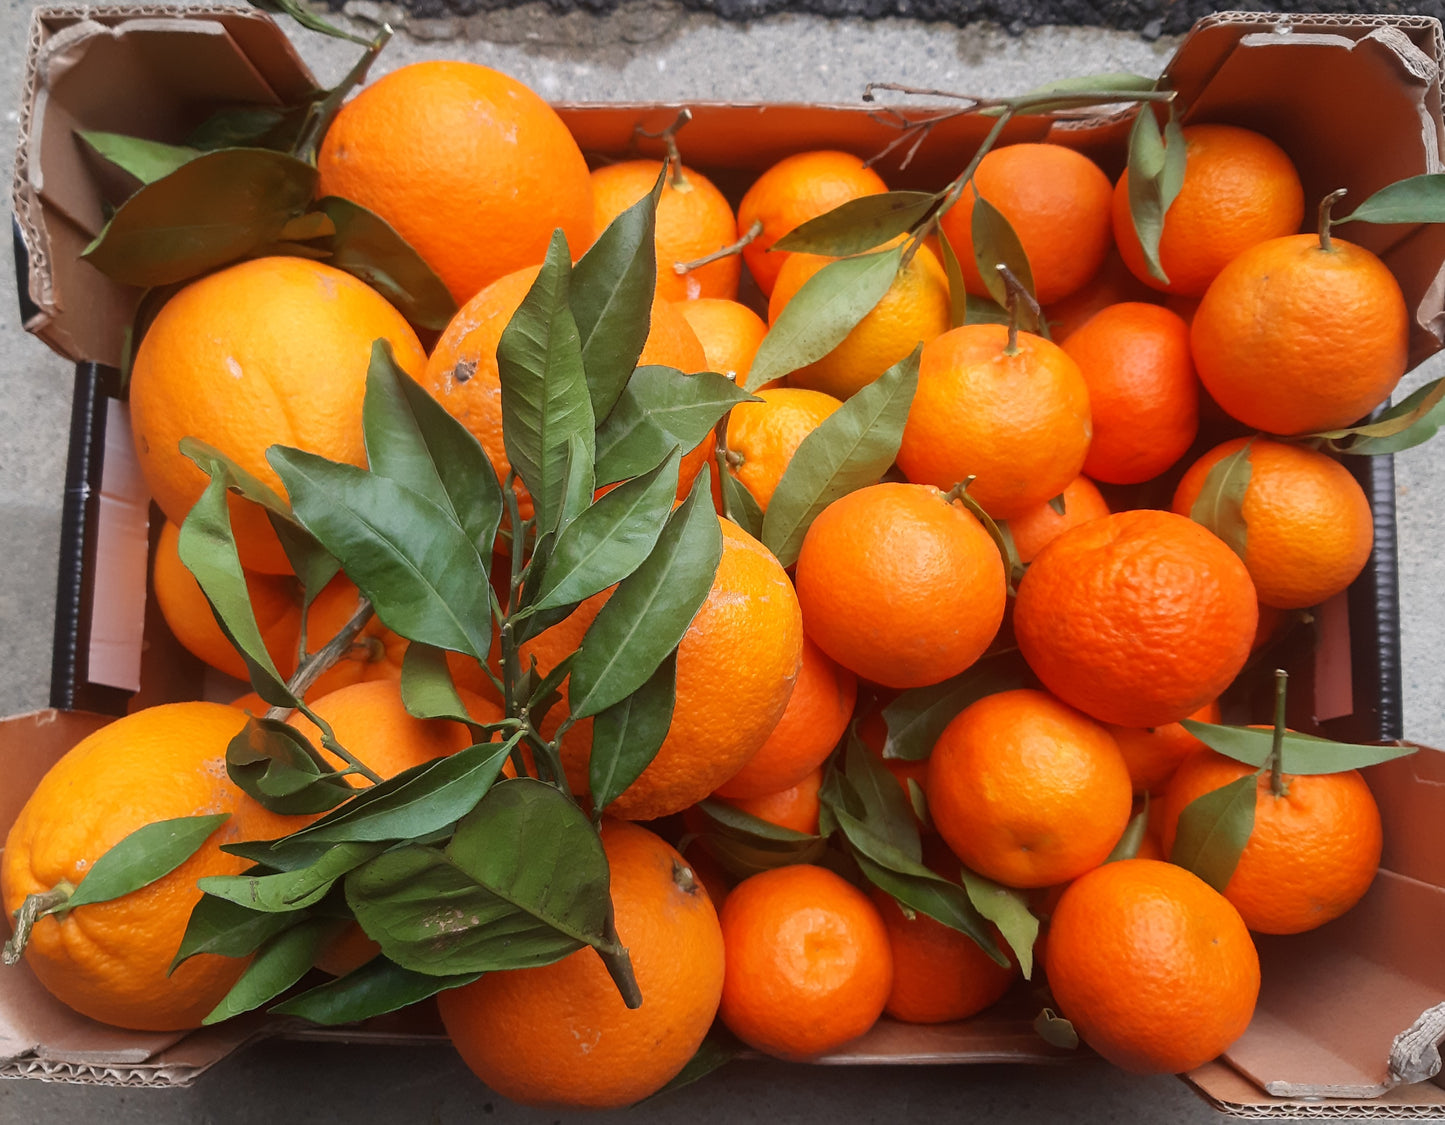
(717, 1050)
(221, 927)
(1418, 199)
(545, 397)
(1220, 504)
(919, 800)
(580, 482)
(290, 890)
(1007, 909)
(627, 735)
(368, 247)
(996, 243)
(273, 763)
(851, 448)
(648, 614)
(741, 506)
(415, 563)
(377, 987)
(1408, 423)
(859, 224)
(1002, 539)
(250, 126)
(611, 539)
(886, 812)
(958, 298)
(145, 855)
(146, 160)
(1300, 754)
(1056, 1031)
(822, 313)
(745, 826)
(915, 718)
(981, 310)
(278, 855)
(306, 18)
(1214, 829)
(309, 226)
(611, 299)
(278, 964)
(427, 690)
(921, 890)
(209, 212)
(659, 409)
(1156, 172)
(1128, 845)
(745, 844)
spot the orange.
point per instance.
(899, 585)
(794, 190)
(1018, 423)
(1036, 528)
(1239, 189)
(1292, 338)
(1314, 849)
(268, 351)
(462, 371)
(691, 224)
(808, 962)
(1057, 201)
(735, 671)
(1112, 285)
(471, 167)
(1026, 790)
(109, 960)
(914, 311)
(561, 1035)
(765, 435)
(795, 807)
(1309, 528)
(814, 720)
(1154, 753)
(939, 974)
(1143, 393)
(1153, 967)
(729, 333)
(1139, 618)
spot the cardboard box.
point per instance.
(1349, 1016)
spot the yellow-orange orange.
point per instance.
(763, 436)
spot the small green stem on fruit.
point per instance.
(727, 251)
(957, 491)
(1326, 205)
(1276, 749)
(676, 177)
(619, 964)
(1018, 295)
(32, 910)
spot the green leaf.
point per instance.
(579, 485)
(611, 299)
(1220, 504)
(408, 556)
(741, 506)
(982, 310)
(822, 313)
(322, 108)
(859, 224)
(210, 211)
(1408, 423)
(627, 736)
(1057, 503)
(427, 690)
(306, 18)
(545, 397)
(1300, 754)
(718, 1049)
(1156, 172)
(996, 243)
(743, 825)
(273, 763)
(1418, 199)
(745, 844)
(850, 449)
(1056, 1031)
(278, 964)
(140, 858)
(1002, 539)
(250, 126)
(290, 890)
(611, 539)
(1213, 830)
(919, 800)
(223, 928)
(958, 298)
(411, 439)
(146, 160)
(1073, 90)
(661, 408)
(915, 718)
(886, 811)
(377, 987)
(650, 611)
(1128, 845)
(368, 247)
(1007, 909)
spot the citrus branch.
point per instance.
(727, 251)
(1276, 750)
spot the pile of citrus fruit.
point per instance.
(895, 591)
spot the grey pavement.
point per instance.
(645, 50)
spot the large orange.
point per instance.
(1057, 201)
(1309, 528)
(808, 962)
(1239, 189)
(691, 224)
(109, 960)
(794, 190)
(1292, 337)
(269, 351)
(1026, 790)
(470, 166)
(899, 585)
(763, 436)
(1036, 528)
(1138, 619)
(1314, 849)
(1018, 423)
(1153, 967)
(561, 1035)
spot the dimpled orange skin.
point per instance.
(729, 333)
(1020, 424)
(1285, 311)
(899, 585)
(1028, 791)
(795, 189)
(268, 351)
(794, 807)
(561, 1035)
(1312, 853)
(1310, 528)
(108, 960)
(471, 167)
(1154, 753)
(1153, 967)
(808, 962)
(1036, 528)
(766, 434)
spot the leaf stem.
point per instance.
(1276, 750)
(727, 251)
(34, 908)
(1018, 295)
(1326, 205)
(676, 177)
(619, 963)
(316, 664)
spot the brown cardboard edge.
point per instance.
(1232, 1094)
